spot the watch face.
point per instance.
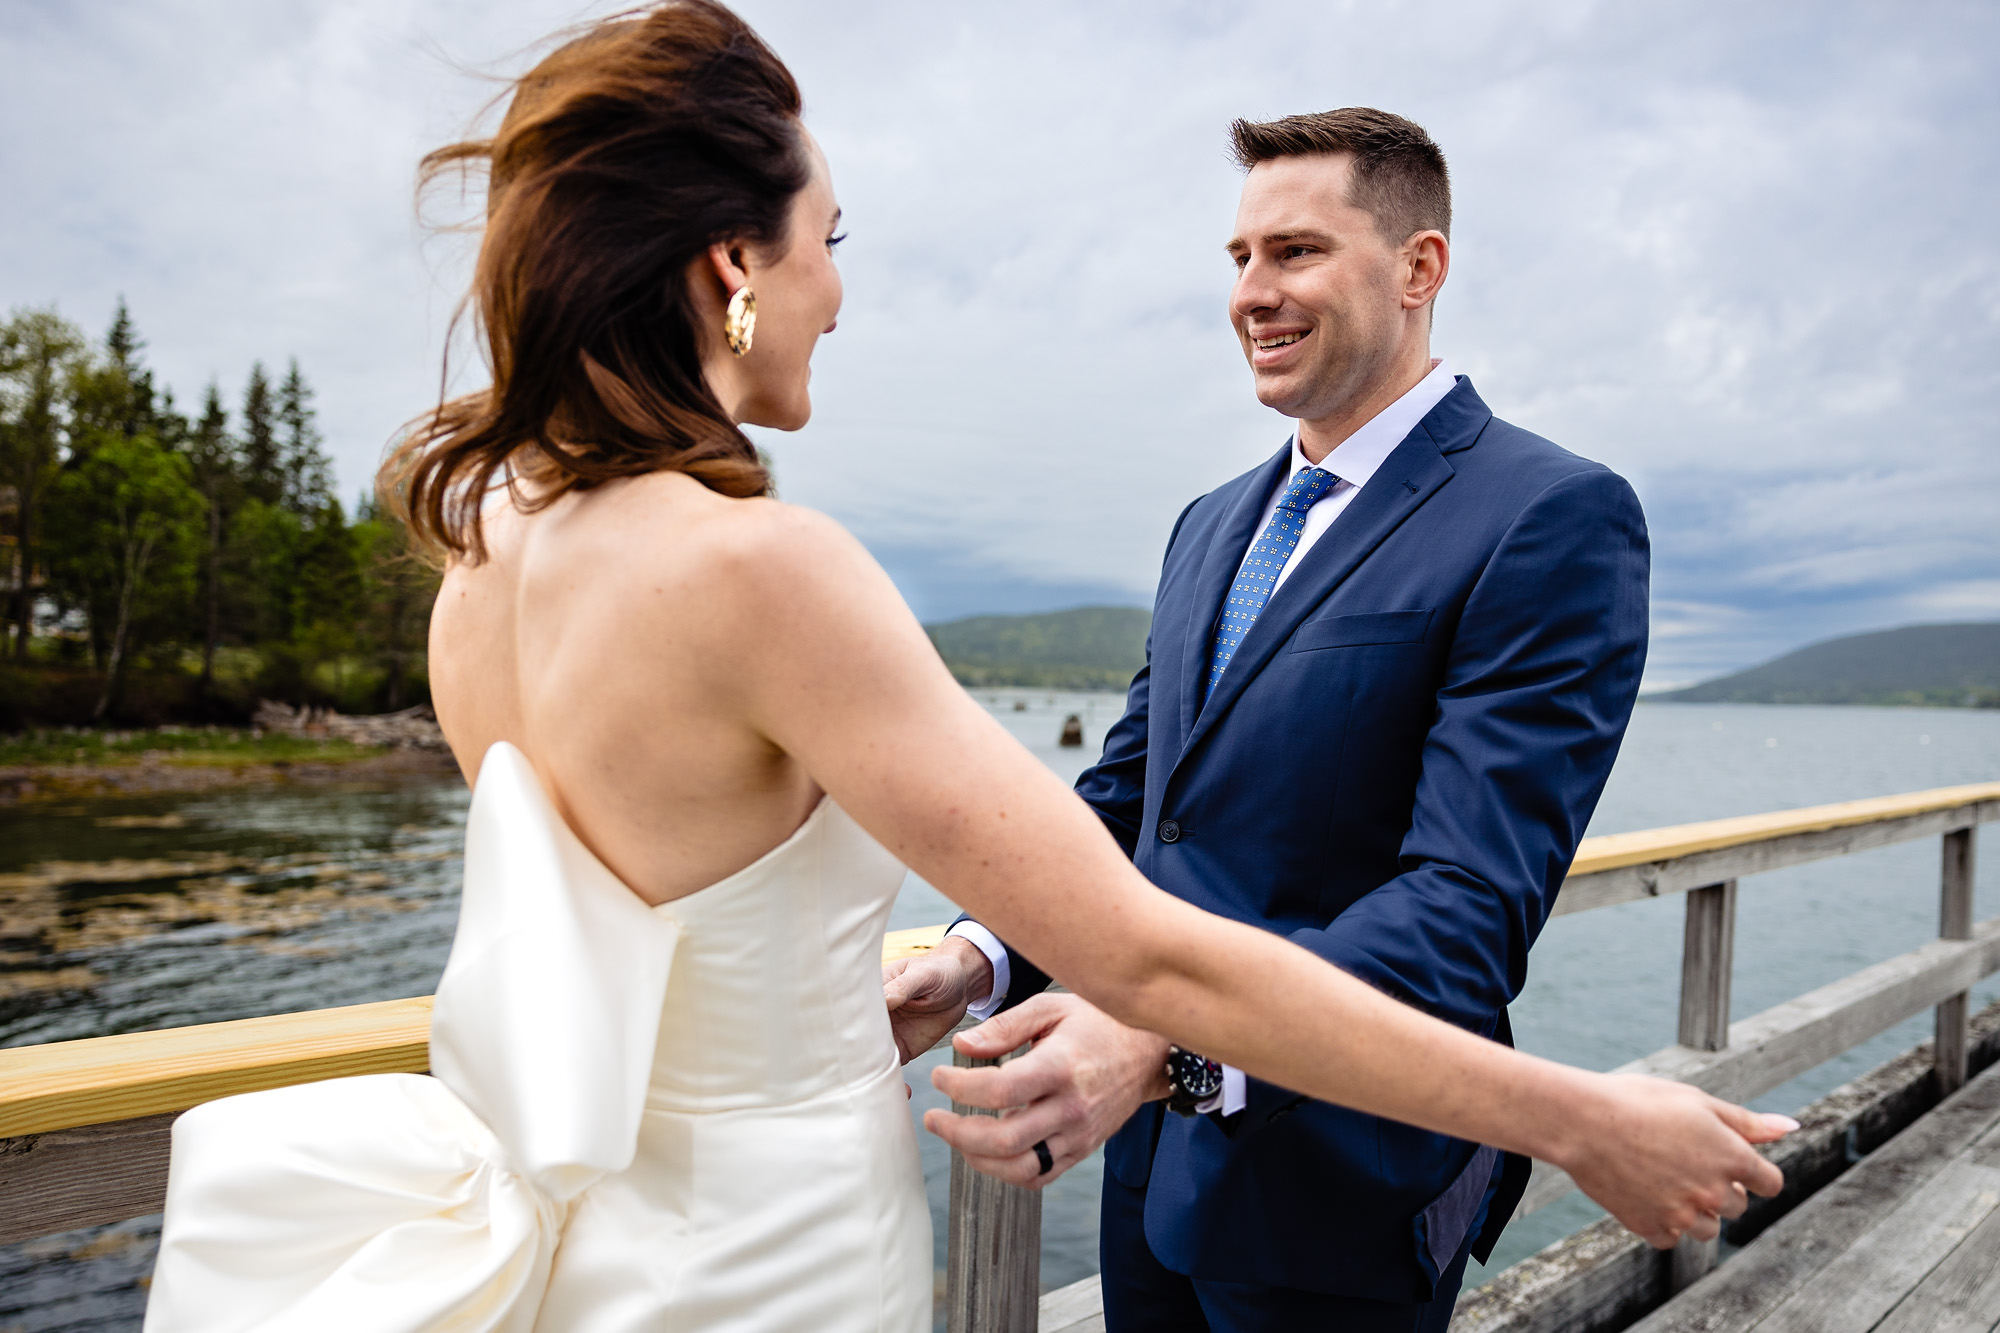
(1196, 1075)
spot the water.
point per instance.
(197, 908)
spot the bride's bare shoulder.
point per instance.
(669, 526)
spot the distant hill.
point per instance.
(1090, 648)
(1952, 665)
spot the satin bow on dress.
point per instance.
(686, 1116)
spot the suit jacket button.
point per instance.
(1170, 831)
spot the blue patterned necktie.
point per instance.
(1261, 568)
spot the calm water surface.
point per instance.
(140, 913)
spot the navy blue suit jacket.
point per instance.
(1394, 772)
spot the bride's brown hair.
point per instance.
(622, 156)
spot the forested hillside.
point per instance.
(1950, 665)
(1089, 648)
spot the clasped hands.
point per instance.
(1084, 1078)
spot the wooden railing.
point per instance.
(84, 1124)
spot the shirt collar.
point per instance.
(1355, 458)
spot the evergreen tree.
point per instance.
(308, 475)
(262, 468)
(326, 598)
(208, 451)
(115, 396)
(397, 589)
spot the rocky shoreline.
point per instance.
(386, 746)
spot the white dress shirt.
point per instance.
(1354, 460)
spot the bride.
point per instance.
(706, 736)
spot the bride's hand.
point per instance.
(927, 995)
(1668, 1160)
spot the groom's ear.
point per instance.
(1427, 259)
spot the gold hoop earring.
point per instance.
(739, 325)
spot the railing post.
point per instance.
(993, 1256)
(1948, 1050)
(1708, 956)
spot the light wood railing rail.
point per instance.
(83, 1124)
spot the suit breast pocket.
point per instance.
(1372, 627)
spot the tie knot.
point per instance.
(1308, 488)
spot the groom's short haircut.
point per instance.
(1399, 173)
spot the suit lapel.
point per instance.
(1407, 478)
(1224, 556)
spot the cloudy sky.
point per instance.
(1744, 253)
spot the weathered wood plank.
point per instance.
(1077, 1308)
(1907, 1242)
(1708, 963)
(1600, 1278)
(1962, 1295)
(104, 1079)
(1603, 876)
(86, 1177)
(1797, 1249)
(1788, 1039)
(993, 1257)
(1954, 923)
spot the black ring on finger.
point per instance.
(1043, 1156)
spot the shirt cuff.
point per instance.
(996, 953)
(1235, 1094)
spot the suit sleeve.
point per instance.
(1114, 787)
(1539, 684)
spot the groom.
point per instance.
(1388, 673)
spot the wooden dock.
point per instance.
(1890, 1218)
(1908, 1241)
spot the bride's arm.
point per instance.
(858, 695)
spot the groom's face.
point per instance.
(1317, 302)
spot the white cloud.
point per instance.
(1742, 253)
(1969, 599)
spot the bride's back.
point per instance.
(596, 636)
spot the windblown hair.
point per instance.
(622, 156)
(1399, 174)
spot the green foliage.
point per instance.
(206, 746)
(185, 568)
(397, 589)
(40, 357)
(123, 539)
(306, 473)
(262, 469)
(1089, 648)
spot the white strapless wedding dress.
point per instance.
(672, 1118)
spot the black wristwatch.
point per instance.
(1192, 1078)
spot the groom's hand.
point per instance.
(1085, 1077)
(927, 995)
